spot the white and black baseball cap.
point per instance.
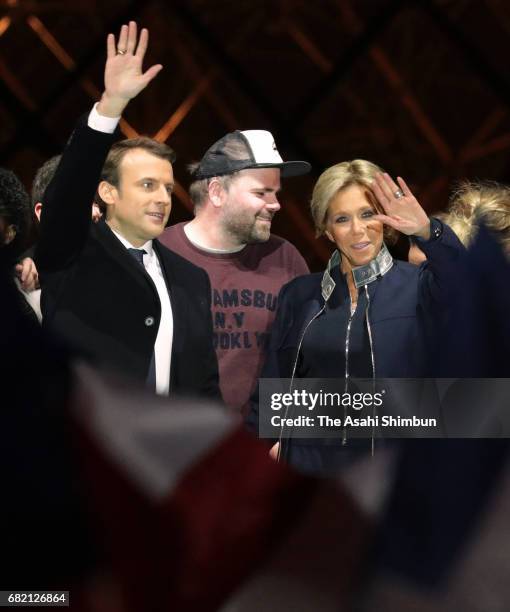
(247, 149)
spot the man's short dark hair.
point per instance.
(199, 188)
(43, 178)
(111, 167)
(14, 209)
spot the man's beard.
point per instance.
(245, 228)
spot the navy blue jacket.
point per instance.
(406, 304)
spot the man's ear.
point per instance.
(106, 192)
(217, 193)
(9, 234)
(37, 210)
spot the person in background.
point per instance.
(43, 178)
(14, 226)
(14, 214)
(26, 268)
(473, 202)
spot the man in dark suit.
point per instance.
(110, 288)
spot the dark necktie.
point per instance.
(137, 254)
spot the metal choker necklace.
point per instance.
(362, 275)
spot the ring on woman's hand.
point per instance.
(121, 51)
(399, 194)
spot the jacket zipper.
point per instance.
(347, 339)
(346, 385)
(280, 437)
(372, 356)
(300, 343)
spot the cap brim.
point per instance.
(295, 168)
(290, 168)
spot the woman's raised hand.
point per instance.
(403, 211)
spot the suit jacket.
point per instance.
(99, 299)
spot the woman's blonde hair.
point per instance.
(337, 178)
(474, 202)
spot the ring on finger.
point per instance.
(398, 194)
(121, 51)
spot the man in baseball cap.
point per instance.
(235, 190)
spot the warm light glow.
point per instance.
(128, 130)
(51, 42)
(178, 116)
(183, 196)
(5, 22)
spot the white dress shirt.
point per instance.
(33, 299)
(163, 345)
(100, 122)
(164, 338)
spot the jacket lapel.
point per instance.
(118, 251)
(177, 301)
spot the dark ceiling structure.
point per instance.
(419, 87)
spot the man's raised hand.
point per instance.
(123, 76)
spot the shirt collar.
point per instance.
(210, 249)
(146, 247)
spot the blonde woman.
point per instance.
(367, 315)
